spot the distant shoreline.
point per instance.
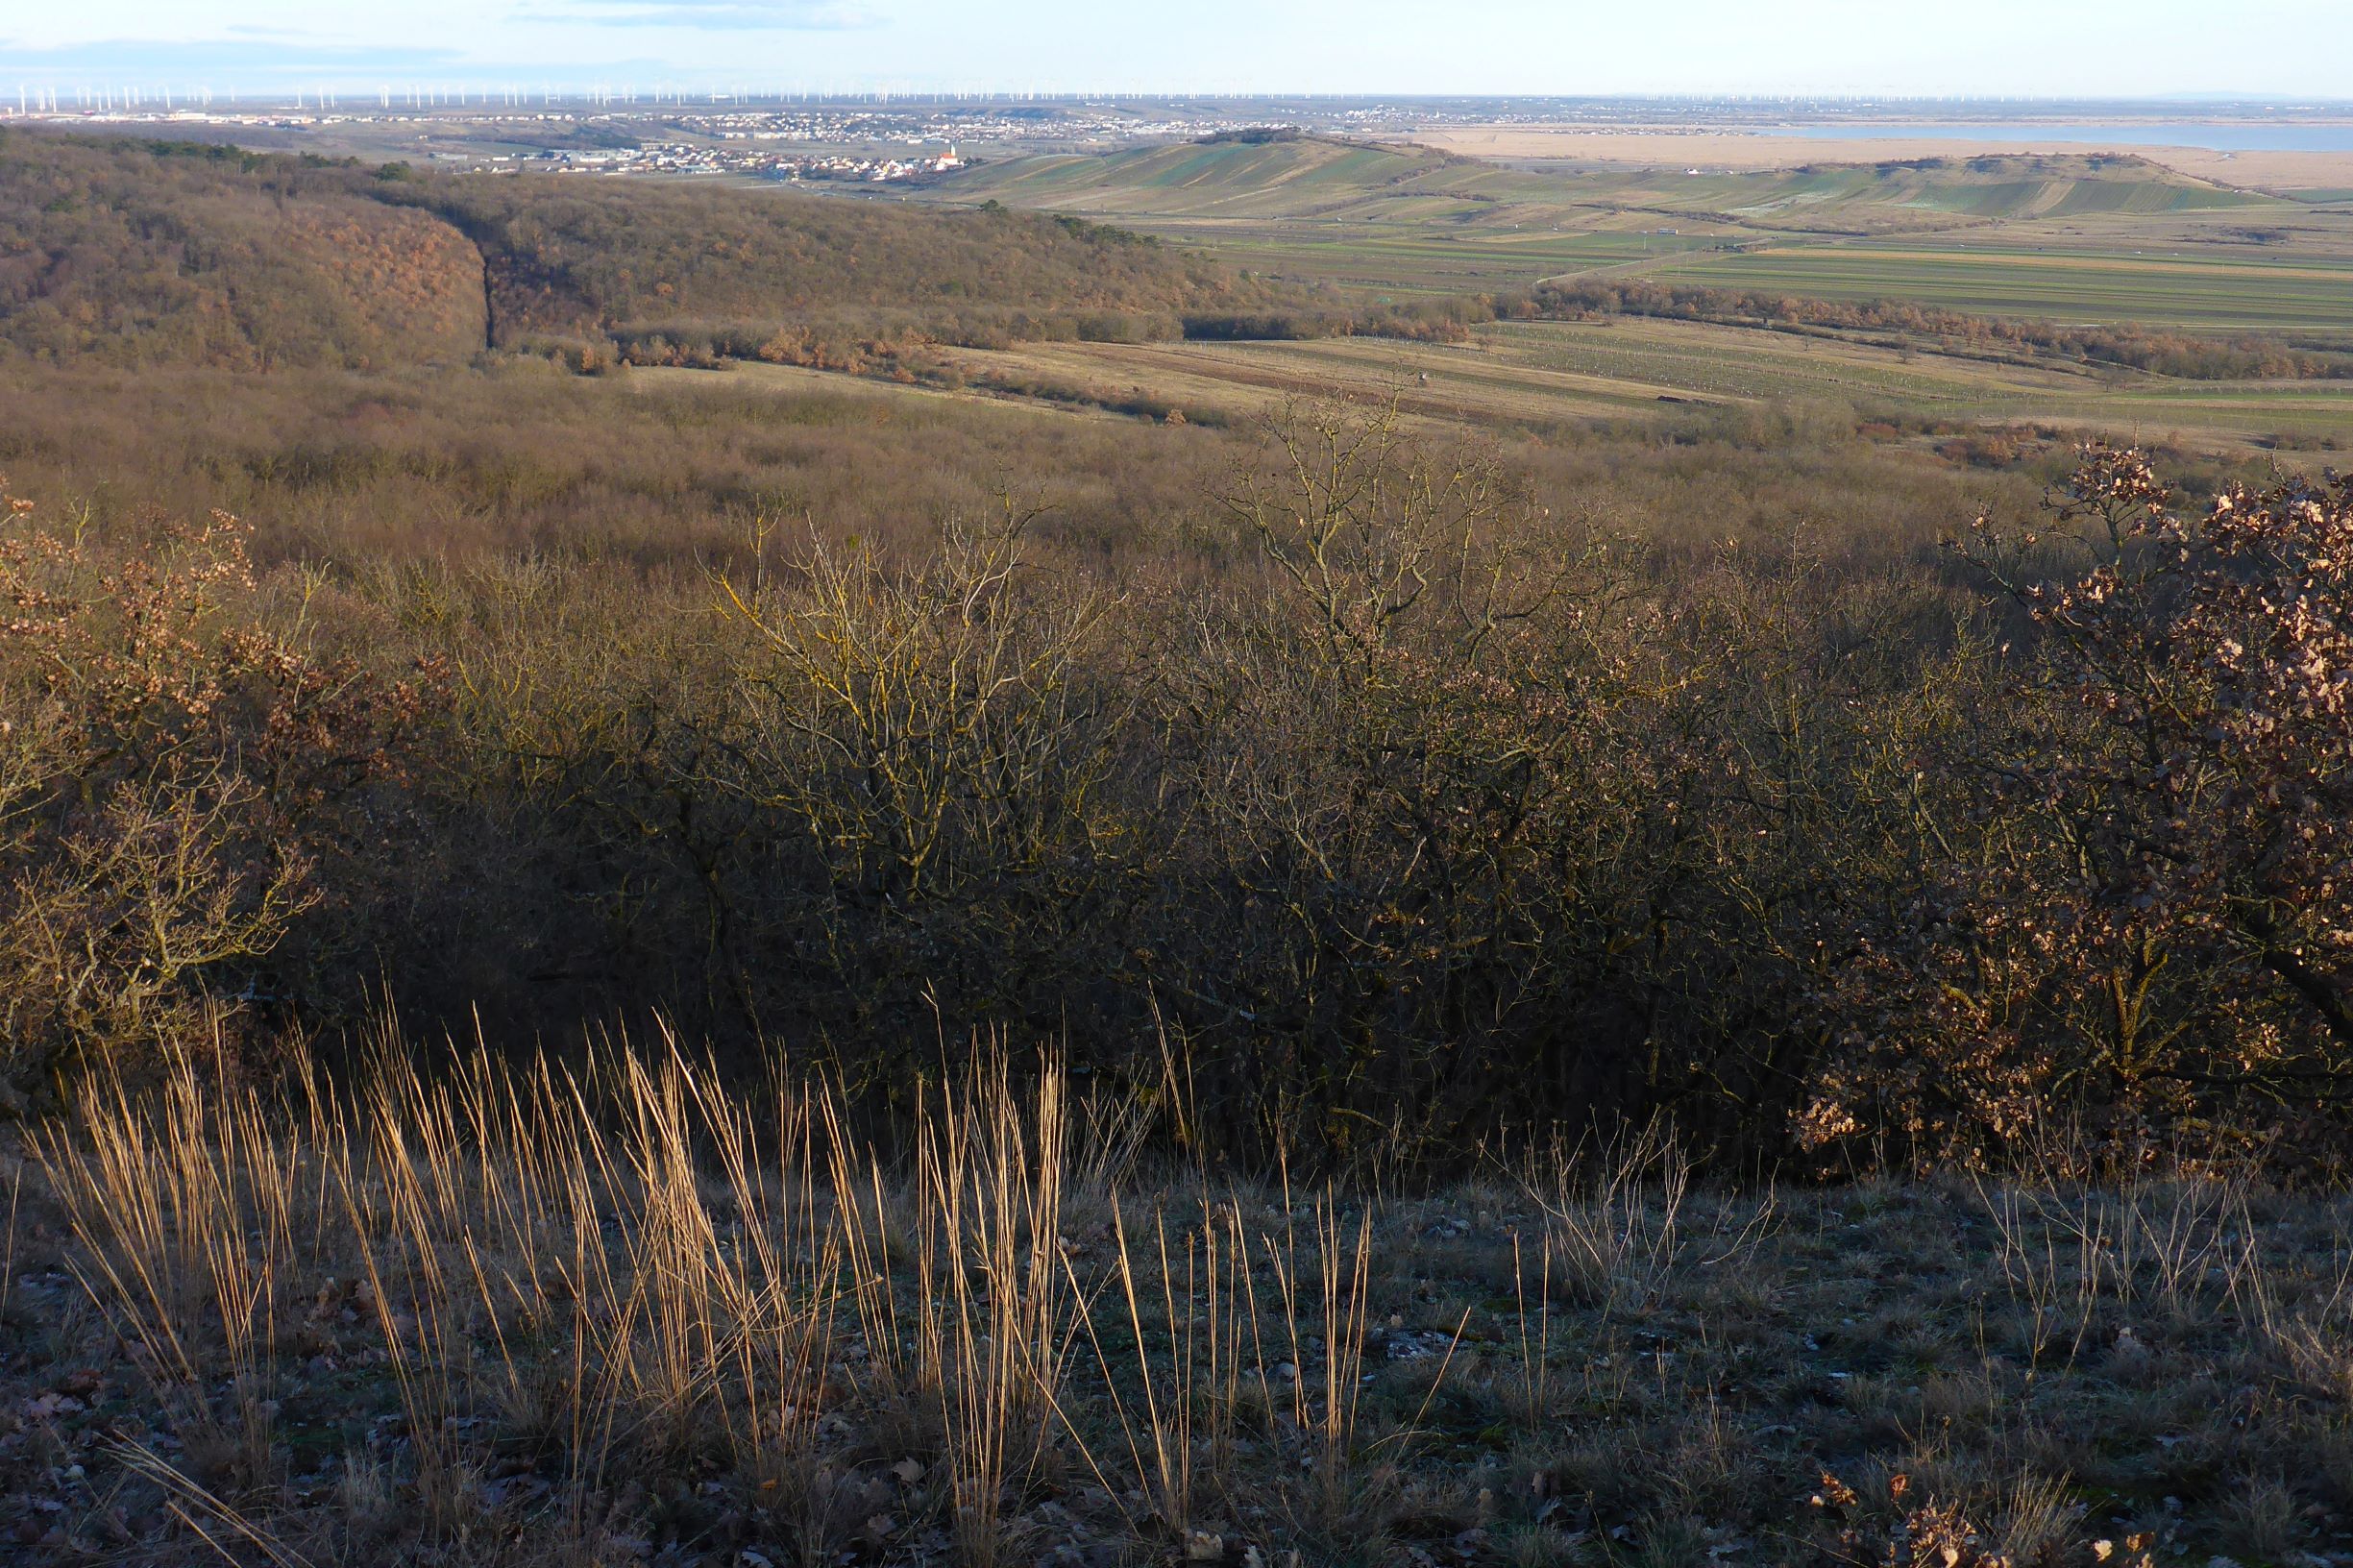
(1662, 146)
(2300, 135)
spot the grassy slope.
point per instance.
(1321, 178)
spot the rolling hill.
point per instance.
(128, 255)
(2083, 239)
(1317, 178)
(135, 253)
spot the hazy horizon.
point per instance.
(2186, 50)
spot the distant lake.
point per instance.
(2222, 136)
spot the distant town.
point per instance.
(860, 143)
(743, 153)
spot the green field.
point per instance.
(1544, 376)
(1390, 259)
(1742, 364)
(2091, 238)
(2206, 291)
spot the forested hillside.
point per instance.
(133, 254)
(782, 274)
(138, 253)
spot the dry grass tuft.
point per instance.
(608, 1312)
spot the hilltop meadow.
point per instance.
(711, 875)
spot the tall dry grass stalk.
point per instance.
(535, 1315)
(992, 1315)
(622, 1262)
(196, 1198)
(1237, 1334)
(621, 1267)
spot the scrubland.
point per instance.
(681, 966)
(685, 984)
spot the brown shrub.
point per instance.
(2134, 904)
(169, 777)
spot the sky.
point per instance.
(2271, 49)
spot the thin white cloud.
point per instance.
(719, 15)
(254, 49)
